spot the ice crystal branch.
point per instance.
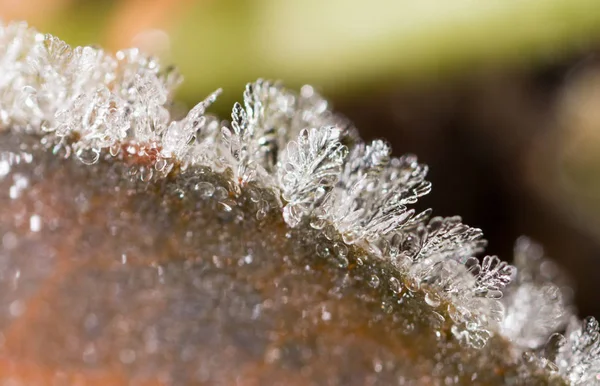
(308, 168)
(85, 102)
(535, 304)
(579, 359)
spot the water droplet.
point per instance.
(220, 193)
(62, 150)
(291, 215)
(350, 237)
(436, 320)
(433, 299)
(377, 365)
(146, 174)
(35, 223)
(254, 195)
(395, 285)
(114, 149)
(412, 284)
(16, 308)
(374, 281)
(20, 184)
(330, 232)
(322, 250)
(4, 168)
(132, 171)
(160, 164)
(180, 193)
(88, 155)
(343, 262)
(47, 126)
(225, 206)
(261, 214)
(340, 250)
(272, 355)
(528, 356)
(317, 223)
(205, 189)
(9, 241)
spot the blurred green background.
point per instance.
(500, 97)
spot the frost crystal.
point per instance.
(308, 168)
(579, 359)
(86, 103)
(491, 276)
(535, 303)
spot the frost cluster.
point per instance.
(85, 102)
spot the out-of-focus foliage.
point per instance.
(338, 44)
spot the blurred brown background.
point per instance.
(500, 98)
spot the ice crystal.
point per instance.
(308, 168)
(373, 192)
(579, 358)
(288, 150)
(491, 276)
(535, 304)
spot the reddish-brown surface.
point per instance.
(148, 284)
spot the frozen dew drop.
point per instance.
(377, 365)
(61, 150)
(340, 250)
(19, 185)
(322, 250)
(317, 223)
(292, 215)
(395, 285)
(9, 241)
(254, 194)
(248, 259)
(494, 294)
(262, 209)
(412, 284)
(329, 232)
(35, 223)
(132, 172)
(261, 214)
(16, 308)
(47, 127)
(226, 206)
(342, 262)
(374, 281)
(528, 356)
(220, 193)
(350, 237)
(180, 193)
(88, 156)
(432, 299)
(114, 149)
(146, 174)
(325, 315)
(436, 319)
(160, 164)
(4, 168)
(205, 189)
